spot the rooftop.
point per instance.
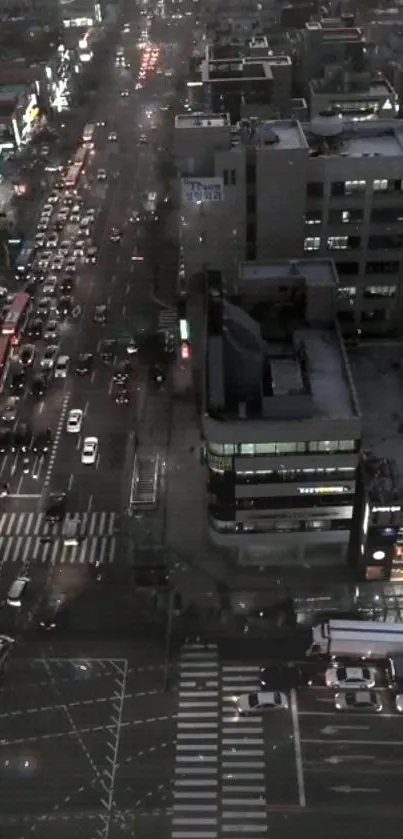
(281, 134)
(381, 138)
(265, 360)
(316, 271)
(378, 375)
(337, 84)
(201, 120)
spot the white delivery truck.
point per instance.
(358, 639)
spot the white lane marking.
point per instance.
(298, 750)
(56, 441)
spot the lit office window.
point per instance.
(354, 186)
(312, 243)
(337, 243)
(380, 185)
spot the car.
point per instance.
(43, 262)
(27, 354)
(101, 175)
(285, 676)
(115, 235)
(358, 700)
(57, 263)
(143, 138)
(350, 677)
(48, 359)
(47, 210)
(52, 241)
(44, 306)
(35, 329)
(260, 702)
(66, 286)
(121, 374)
(65, 246)
(22, 437)
(60, 221)
(78, 252)
(91, 214)
(101, 314)
(90, 451)
(38, 386)
(51, 335)
(64, 306)
(17, 591)
(137, 256)
(122, 397)
(52, 613)
(50, 286)
(40, 240)
(42, 441)
(75, 218)
(112, 136)
(132, 347)
(53, 198)
(62, 366)
(6, 437)
(74, 421)
(70, 266)
(84, 363)
(18, 382)
(10, 408)
(56, 507)
(108, 351)
(124, 93)
(91, 254)
(42, 227)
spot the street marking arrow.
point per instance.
(331, 729)
(347, 789)
(335, 759)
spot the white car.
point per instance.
(90, 451)
(78, 253)
(64, 247)
(258, 703)
(91, 213)
(53, 199)
(112, 137)
(47, 210)
(52, 240)
(75, 218)
(40, 240)
(50, 285)
(101, 175)
(350, 677)
(358, 700)
(74, 421)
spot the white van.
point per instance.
(62, 366)
(17, 591)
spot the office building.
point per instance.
(281, 421)
(330, 188)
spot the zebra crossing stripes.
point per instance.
(30, 549)
(195, 808)
(242, 781)
(36, 524)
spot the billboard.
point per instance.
(202, 190)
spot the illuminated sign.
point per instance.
(326, 490)
(78, 22)
(185, 351)
(395, 508)
(202, 190)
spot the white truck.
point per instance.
(355, 638)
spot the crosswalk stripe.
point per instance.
(26, 549)
(35, 524)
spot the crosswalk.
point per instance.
(30, 538)
(219, 785)
(36, 524)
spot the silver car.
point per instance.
(358, 700)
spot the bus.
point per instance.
(4, 357)
(25, 259)
(88, 134)
(72, 176)
(355, 638)
(79, 157)
(16, 316)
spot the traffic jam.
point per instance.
(38, 317)
(340, 715)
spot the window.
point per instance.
(352, 187)
(382, 267)
(314, 189)
(251, 204)
(233, 177)
(348, 446)
(265, 448)
(372, 291)
(380, 185)
(251, 173)
(247, 448)
(384, 243)
(346, 216)
(313, 218)
(347, 269)
(322, 446)
(386, 215)
(286, 448)
(347, 291)
(312, 243)
(216, 448)
(342, 243)
(337, 188)
(225, 177)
